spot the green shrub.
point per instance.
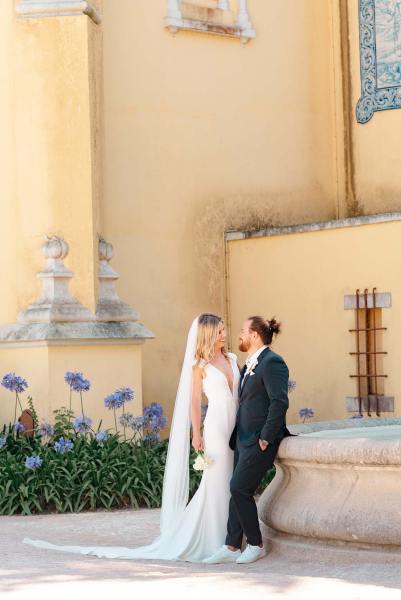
(70, 467)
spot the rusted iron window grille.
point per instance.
(369, 351)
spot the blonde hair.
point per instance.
(208, 331)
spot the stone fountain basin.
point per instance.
(343, 485)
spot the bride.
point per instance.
(195, 530)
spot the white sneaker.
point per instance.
(223, 555)
(250, 554)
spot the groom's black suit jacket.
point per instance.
(263, 402)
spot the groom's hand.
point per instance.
(263, 445)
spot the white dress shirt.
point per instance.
(250, 361)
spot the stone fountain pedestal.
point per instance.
(337, 486)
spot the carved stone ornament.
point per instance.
(210, 16)
(56, 304)
(110, 307)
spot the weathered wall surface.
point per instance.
(202, 135)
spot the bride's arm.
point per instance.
(197, 441)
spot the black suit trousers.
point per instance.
(250, 465)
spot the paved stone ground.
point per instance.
(292, 570)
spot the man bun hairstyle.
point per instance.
(266, 328)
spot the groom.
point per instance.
(259, 429)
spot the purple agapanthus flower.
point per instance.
(156, 423)
(18, 427)
(33, 462)
(153, 409)
(77, 381)
(292, 384)
(45, 430)
(114, 401)
(137, 423)
(101, 436)
(125, 393)
(306, 413)
(155, 420)
(14, 383)
(3, 441)
(63, 445)
(126, 419)
(82, 424)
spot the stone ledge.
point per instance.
(357, 447)
(303, 428)
(383, 300)
(73, 333)
(31, 9)
(386, 403)
(317, 226)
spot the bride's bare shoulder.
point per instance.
(198, 367)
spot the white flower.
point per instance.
(202, 462)
(252, 366)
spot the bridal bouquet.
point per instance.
(202, 462)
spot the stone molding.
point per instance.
(33, 9)
(28, 334)
(318, 226)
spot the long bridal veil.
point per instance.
(176, 475)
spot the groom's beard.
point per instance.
(244, 346)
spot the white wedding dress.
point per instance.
(202, 526)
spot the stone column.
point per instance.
(56, 110)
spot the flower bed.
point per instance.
(69, 466)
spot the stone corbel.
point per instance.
(34, 9)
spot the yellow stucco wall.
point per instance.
(203, 134)
(162, 142)
(302, 279)
(107, 367)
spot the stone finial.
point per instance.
(56, 304)
(110, 307)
